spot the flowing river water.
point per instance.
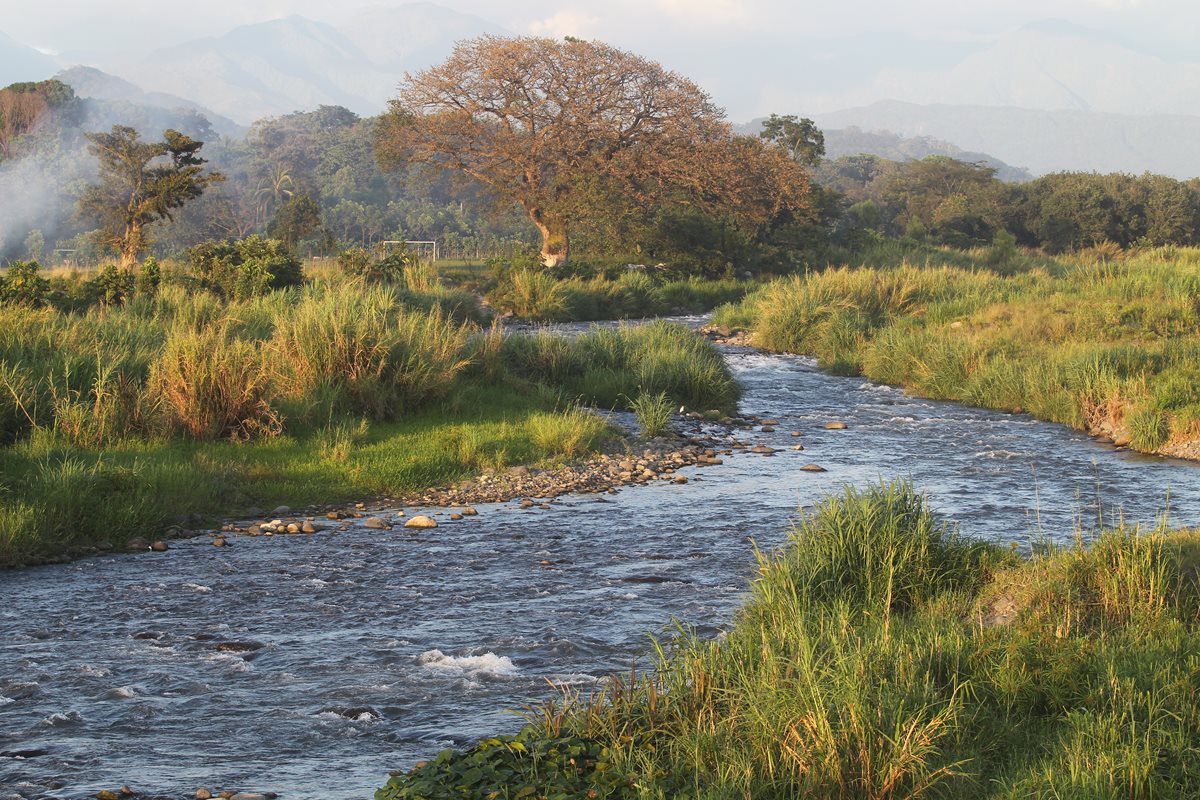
(376, 649)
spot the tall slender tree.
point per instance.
(140, 184)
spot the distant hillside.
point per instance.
(92, 83)
(284, 65)
(21, 63)
(852, 140)
(1043, 141)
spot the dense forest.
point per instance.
(313, 180)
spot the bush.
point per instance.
(22, 285)
(112, 286)
(375, 266)
(149, 278)
(246, 268)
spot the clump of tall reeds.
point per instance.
(881, 655)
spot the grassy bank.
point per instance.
(122, 419)
(882, 656)
(1111, 347)
(534, 294)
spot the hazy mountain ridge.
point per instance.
(292, 64)
(19, 62)
(852, 140)
(99, 85)
(1043, 141)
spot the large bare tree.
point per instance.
(541, 121)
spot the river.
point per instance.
(380, 648)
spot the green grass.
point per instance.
(881, 655)
(118, 421)
(55, 496)
(1107, 346)
(533, 294)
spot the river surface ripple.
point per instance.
(379, 649)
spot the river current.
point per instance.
(311, 665)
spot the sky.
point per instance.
(1164, 26)
(752, 55)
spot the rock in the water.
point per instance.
(767, 429)
(456, 517)
(203, 794)
(159, 546)
(220, 542)
(796, 434)
(812, 468)
(421, 521)
(239, 647)
(527, 503)
(681, 479)
(308, 527)
(375, 523)
(293, 528)
(281, 511)
(106, 794)
(469, 512)
(835, 426)
(763, 449)
(797, 447)
(137, 544)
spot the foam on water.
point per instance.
(487, 665)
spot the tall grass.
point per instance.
(608, 366)
(1108, 346)
(152, 392)
(880, 655)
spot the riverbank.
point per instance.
(171, 411)
(880, 655)
(1111, 348)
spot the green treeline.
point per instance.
(944, 201)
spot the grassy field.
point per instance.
(881, 655)
(119, 420)
(1108, 346)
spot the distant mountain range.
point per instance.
(91, 82)
(21, 63)
(1043, 141)
(1044, 97)
(295, 64)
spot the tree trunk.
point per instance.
(131, 243)
(555, 243)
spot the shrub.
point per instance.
(149, 278)
(22, 285)
(112, 286)
(246, 268)
(376, 266)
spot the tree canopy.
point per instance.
(554, 125)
